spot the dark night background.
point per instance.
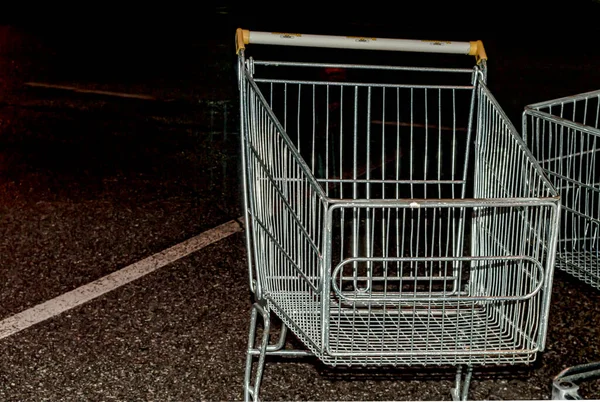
(90, 184)
(552, 45)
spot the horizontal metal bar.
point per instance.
(566, 208)
(415, 203)
(569, 156)
(566, 99)
(397, 278)
(381, 181)
(433, 309)
(363, 67)
(563, 122)
(284, 353)
(361, 84)
(431, 126)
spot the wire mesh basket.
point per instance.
(564, 135)
(395, 216)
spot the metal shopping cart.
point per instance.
(394, 216)
(564, 135)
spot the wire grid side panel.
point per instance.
(505, 169)
(583, 109)
(287, 213)
(506, 232)
(504, 166)
(365, 141)
(401, 301)
(568, 151)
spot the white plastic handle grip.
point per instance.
(351, 42)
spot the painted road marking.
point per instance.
(76, 297)
(89, 91)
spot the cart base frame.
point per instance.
(259, 349)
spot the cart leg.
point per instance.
(461, 387)
(281, 342)
(251, 391)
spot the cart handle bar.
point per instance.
(245, 37)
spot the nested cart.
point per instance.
(564, 135)
(394, 215)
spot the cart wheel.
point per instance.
(565, 390)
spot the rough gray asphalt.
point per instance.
(91, 184)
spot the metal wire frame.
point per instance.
(564, 135)
(367, 238)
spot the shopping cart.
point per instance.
(564, 135)
(394, 215)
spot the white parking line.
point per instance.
(85, 293)
(89, 91)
